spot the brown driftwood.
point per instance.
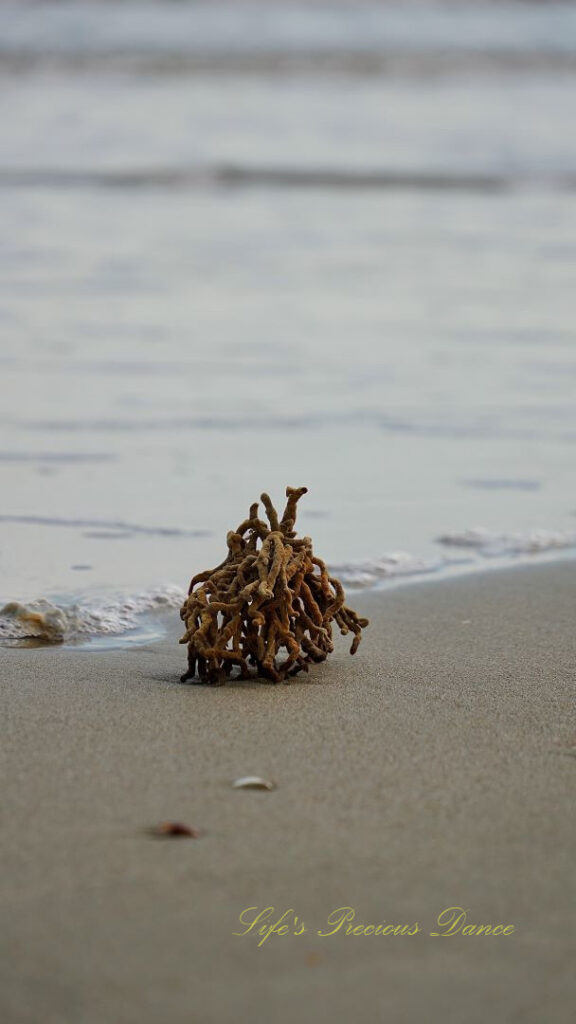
(270, 592)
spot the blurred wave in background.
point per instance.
(255, 244)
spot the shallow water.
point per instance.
(331, 246)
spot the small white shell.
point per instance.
(253, 782)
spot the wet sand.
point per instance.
(435, 769)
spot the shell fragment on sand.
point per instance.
(253, 782)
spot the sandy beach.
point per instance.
(313, 244)
(433, 770)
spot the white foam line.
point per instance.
(58, 623)
(88, 619)
(490, 544)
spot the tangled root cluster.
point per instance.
(270, 592)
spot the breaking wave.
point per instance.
(373, 571)
(50, 622)
(495, 545)
(58, 622)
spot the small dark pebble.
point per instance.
(174, 828)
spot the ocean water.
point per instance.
(247, 245)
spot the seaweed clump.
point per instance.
(270, 592)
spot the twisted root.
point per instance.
(270, 592)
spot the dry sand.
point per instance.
(434, 769)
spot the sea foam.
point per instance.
(496, 545)
(58, 622)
